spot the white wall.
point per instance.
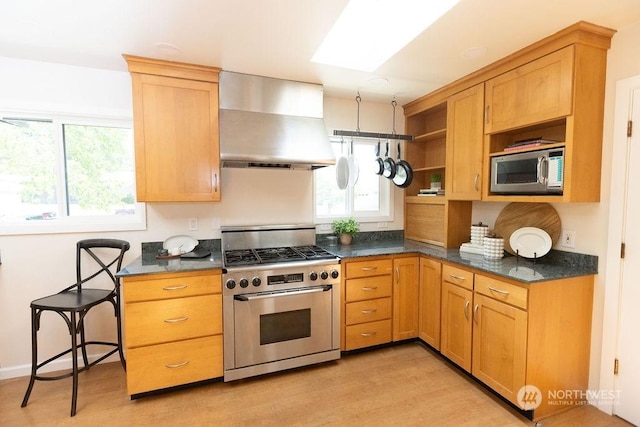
(37, 265)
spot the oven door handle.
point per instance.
(278, 294)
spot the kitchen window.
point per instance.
(61, 174)
(369, 199)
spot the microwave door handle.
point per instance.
(543, 170)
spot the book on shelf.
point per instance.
(529, 143)
(425, 192)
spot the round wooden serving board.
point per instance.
(518, 215)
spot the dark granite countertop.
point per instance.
(554, 265)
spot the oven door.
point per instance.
(282, 324)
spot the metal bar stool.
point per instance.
(73, 304)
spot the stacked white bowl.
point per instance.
(478, 232)
(493, 247)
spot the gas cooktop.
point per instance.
(240, 257)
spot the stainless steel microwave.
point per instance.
(531, 172)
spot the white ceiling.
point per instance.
(277, 38)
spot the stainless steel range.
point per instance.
(281, 300)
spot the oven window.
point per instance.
(285, 326)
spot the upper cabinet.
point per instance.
(175, 112)
(464, 144)
(532, 93)
(553, 89)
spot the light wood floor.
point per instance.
(404, 385)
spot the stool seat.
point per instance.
(72, 300)
(73, 304)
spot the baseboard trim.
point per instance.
(57, 365)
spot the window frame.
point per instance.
(386, 194)
(74, 224)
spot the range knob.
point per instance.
(244, 283)
(334, 274)
(230, 284)
(324, 275)
(313, 275)
(256, 282)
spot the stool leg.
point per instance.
(83, 346)
(119, 328)
(34, 357)
(74, 361)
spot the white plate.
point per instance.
(184, 242)
(530, 242)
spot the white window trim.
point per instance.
(76, 224)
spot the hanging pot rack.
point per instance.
(359, 134)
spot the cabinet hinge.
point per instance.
(629, 128)
(622, 249)
(615, 367)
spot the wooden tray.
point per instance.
(518, 215)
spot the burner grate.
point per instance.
(245, 257)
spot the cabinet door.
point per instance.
(456, 327)
(464, 144)
(176, 139)
(532, 93)
(430, 286)
(499, 346)
(405, 298)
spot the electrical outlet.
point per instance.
(325, 227)
(382, 225)
(569, 239)
(193, 224)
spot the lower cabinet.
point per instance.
(429, 302)
(406, 289)
(456, 323)
(367, 305)
(173, 329)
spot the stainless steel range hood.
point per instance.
(266, 122)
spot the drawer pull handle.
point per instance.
(369, 268)
(177, 319)
(177, 365)
(368, 334)
(453, 276)
(369, 288)
(174, 288)
(500, 291)
(373, 310)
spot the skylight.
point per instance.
(369, 32)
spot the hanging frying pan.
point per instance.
(404, 173)
(389, 165)
(354, 168)
(378, 164)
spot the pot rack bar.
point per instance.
(358, 134)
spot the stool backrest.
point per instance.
(109, 262)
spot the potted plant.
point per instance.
(436, 181)
(345, 229)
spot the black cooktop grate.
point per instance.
(241, 257)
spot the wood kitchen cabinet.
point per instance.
(552, 89)
(367, 302)
(456, 315)
(406, 297)
(173, 329)
(430, 301)
(464, 144)
(175, 112)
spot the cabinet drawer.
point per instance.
(368, 334)
(154, 322)
(457, 276)
(368, 311)
(502, 291)
(141, 289)
(368, 288)
(368, 268)
(166, 365)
